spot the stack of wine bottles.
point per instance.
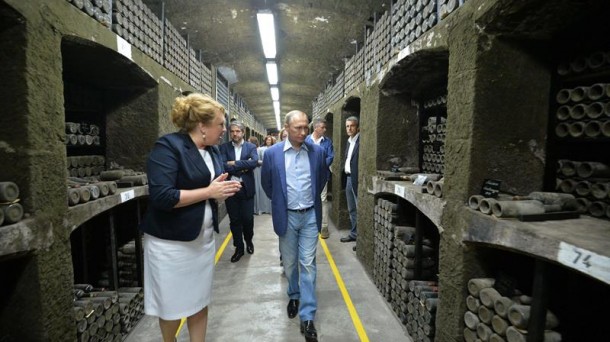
(101, 314)
(494, 317)
(98, 9)
(354, 74)
(384, 223)
(412, 18)
(125, 177)
(96, 313)
(10, 209)
(85, 166)
(589, 182)
(433, 134)
(421, 303)
(82, 134)
(128, 264)
(378, 49)
(83, 190)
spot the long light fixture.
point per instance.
(266, 29)
(275, 93)
(272, 72)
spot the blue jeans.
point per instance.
(352, 206)
(298, 247)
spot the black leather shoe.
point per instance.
(236, 256)
(348, 239)
(309, 330)
(293, 308)
(250, 248)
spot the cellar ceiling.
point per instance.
(313, 38)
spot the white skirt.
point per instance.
(178, 275)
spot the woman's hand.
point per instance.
(220, 188)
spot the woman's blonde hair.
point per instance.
(194, 108)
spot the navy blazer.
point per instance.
(174, 164)
(273, 180)
(243, 167)
(353, 164)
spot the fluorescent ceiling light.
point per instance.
(275, 93)
(276, 108)
(266, 29)
(272, 72)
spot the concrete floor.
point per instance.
(249, 297)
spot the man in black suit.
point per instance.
(240, 158)
(350, 174)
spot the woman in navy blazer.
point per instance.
(185, 181)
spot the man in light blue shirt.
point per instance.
(319, 138)
(293, 174)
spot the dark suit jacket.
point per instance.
(353, 162)
(273, 179)
(243, 167)
(174, 164)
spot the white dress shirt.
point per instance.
(352, 143)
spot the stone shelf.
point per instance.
(582, 244)
(431, 206)
(82, 213)
(33, 233)
(24, 236)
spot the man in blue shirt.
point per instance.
(319, 138)
(293, 174)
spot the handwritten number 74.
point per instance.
(585, 259)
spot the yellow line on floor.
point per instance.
(222, 247)
(346, 298)
(218, 255)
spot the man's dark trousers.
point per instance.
(241, 213)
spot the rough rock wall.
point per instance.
(367, 164)
(132, 128)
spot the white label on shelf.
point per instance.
(399, 190)
(381, 75)
(123, 47)
(403, 53)
(127, 195)
(593, 264)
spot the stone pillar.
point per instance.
(38, 307)
(367, 165)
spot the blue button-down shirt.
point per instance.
(298, 177)
(327, 146)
